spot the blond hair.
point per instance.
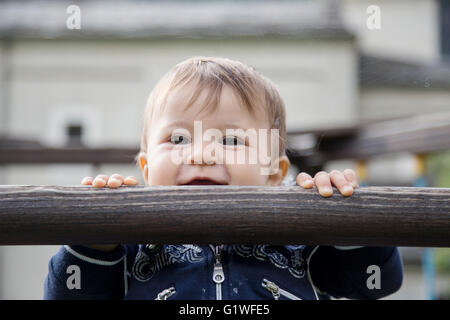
(254, 91)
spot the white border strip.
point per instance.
(125, 276)
(315, 289)
(92, 260)
(348, 247)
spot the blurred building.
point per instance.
(88, 86)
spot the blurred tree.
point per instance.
(438, 165)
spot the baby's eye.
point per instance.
(232, 141)
(179, 139)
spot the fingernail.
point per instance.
(97, 182)
(130, 180)
(327, 190)
(306, 184)
(347, 189)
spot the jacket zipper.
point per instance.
(277, 291)
(218, 275)
(166, 294)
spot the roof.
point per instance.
(143, 19)
(383, 72)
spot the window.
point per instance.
(74, 133)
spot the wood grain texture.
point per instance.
(375, 216)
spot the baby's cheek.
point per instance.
(162, 170)
(246, 174)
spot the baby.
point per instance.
(243, 118)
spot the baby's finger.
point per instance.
(131, 181)
(350, 175)
(87, 181)
(338, 179)
(323, 184)
(115, 181)
(100, 181)
(304, 180)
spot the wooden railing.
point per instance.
(418, 134)
(373, 216)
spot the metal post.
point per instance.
(428, 267)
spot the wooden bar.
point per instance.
(45, 155)
(418, 134)
(374, 216)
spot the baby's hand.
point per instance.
(115, 181)
(343, 181)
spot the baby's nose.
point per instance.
(204, 155)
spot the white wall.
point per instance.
(106, 83)
(23, 270)
(409, 28)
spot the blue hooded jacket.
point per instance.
(197, 272)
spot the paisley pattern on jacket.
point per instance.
(152, 258)
(277, 255)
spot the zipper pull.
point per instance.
(272, 287)
(277, 291)
(218, 275)
(165, 294)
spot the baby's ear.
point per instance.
(142, 160)
(281, 171)
(144, 166)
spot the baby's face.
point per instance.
(180, 152)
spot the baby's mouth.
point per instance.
(203, 182)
